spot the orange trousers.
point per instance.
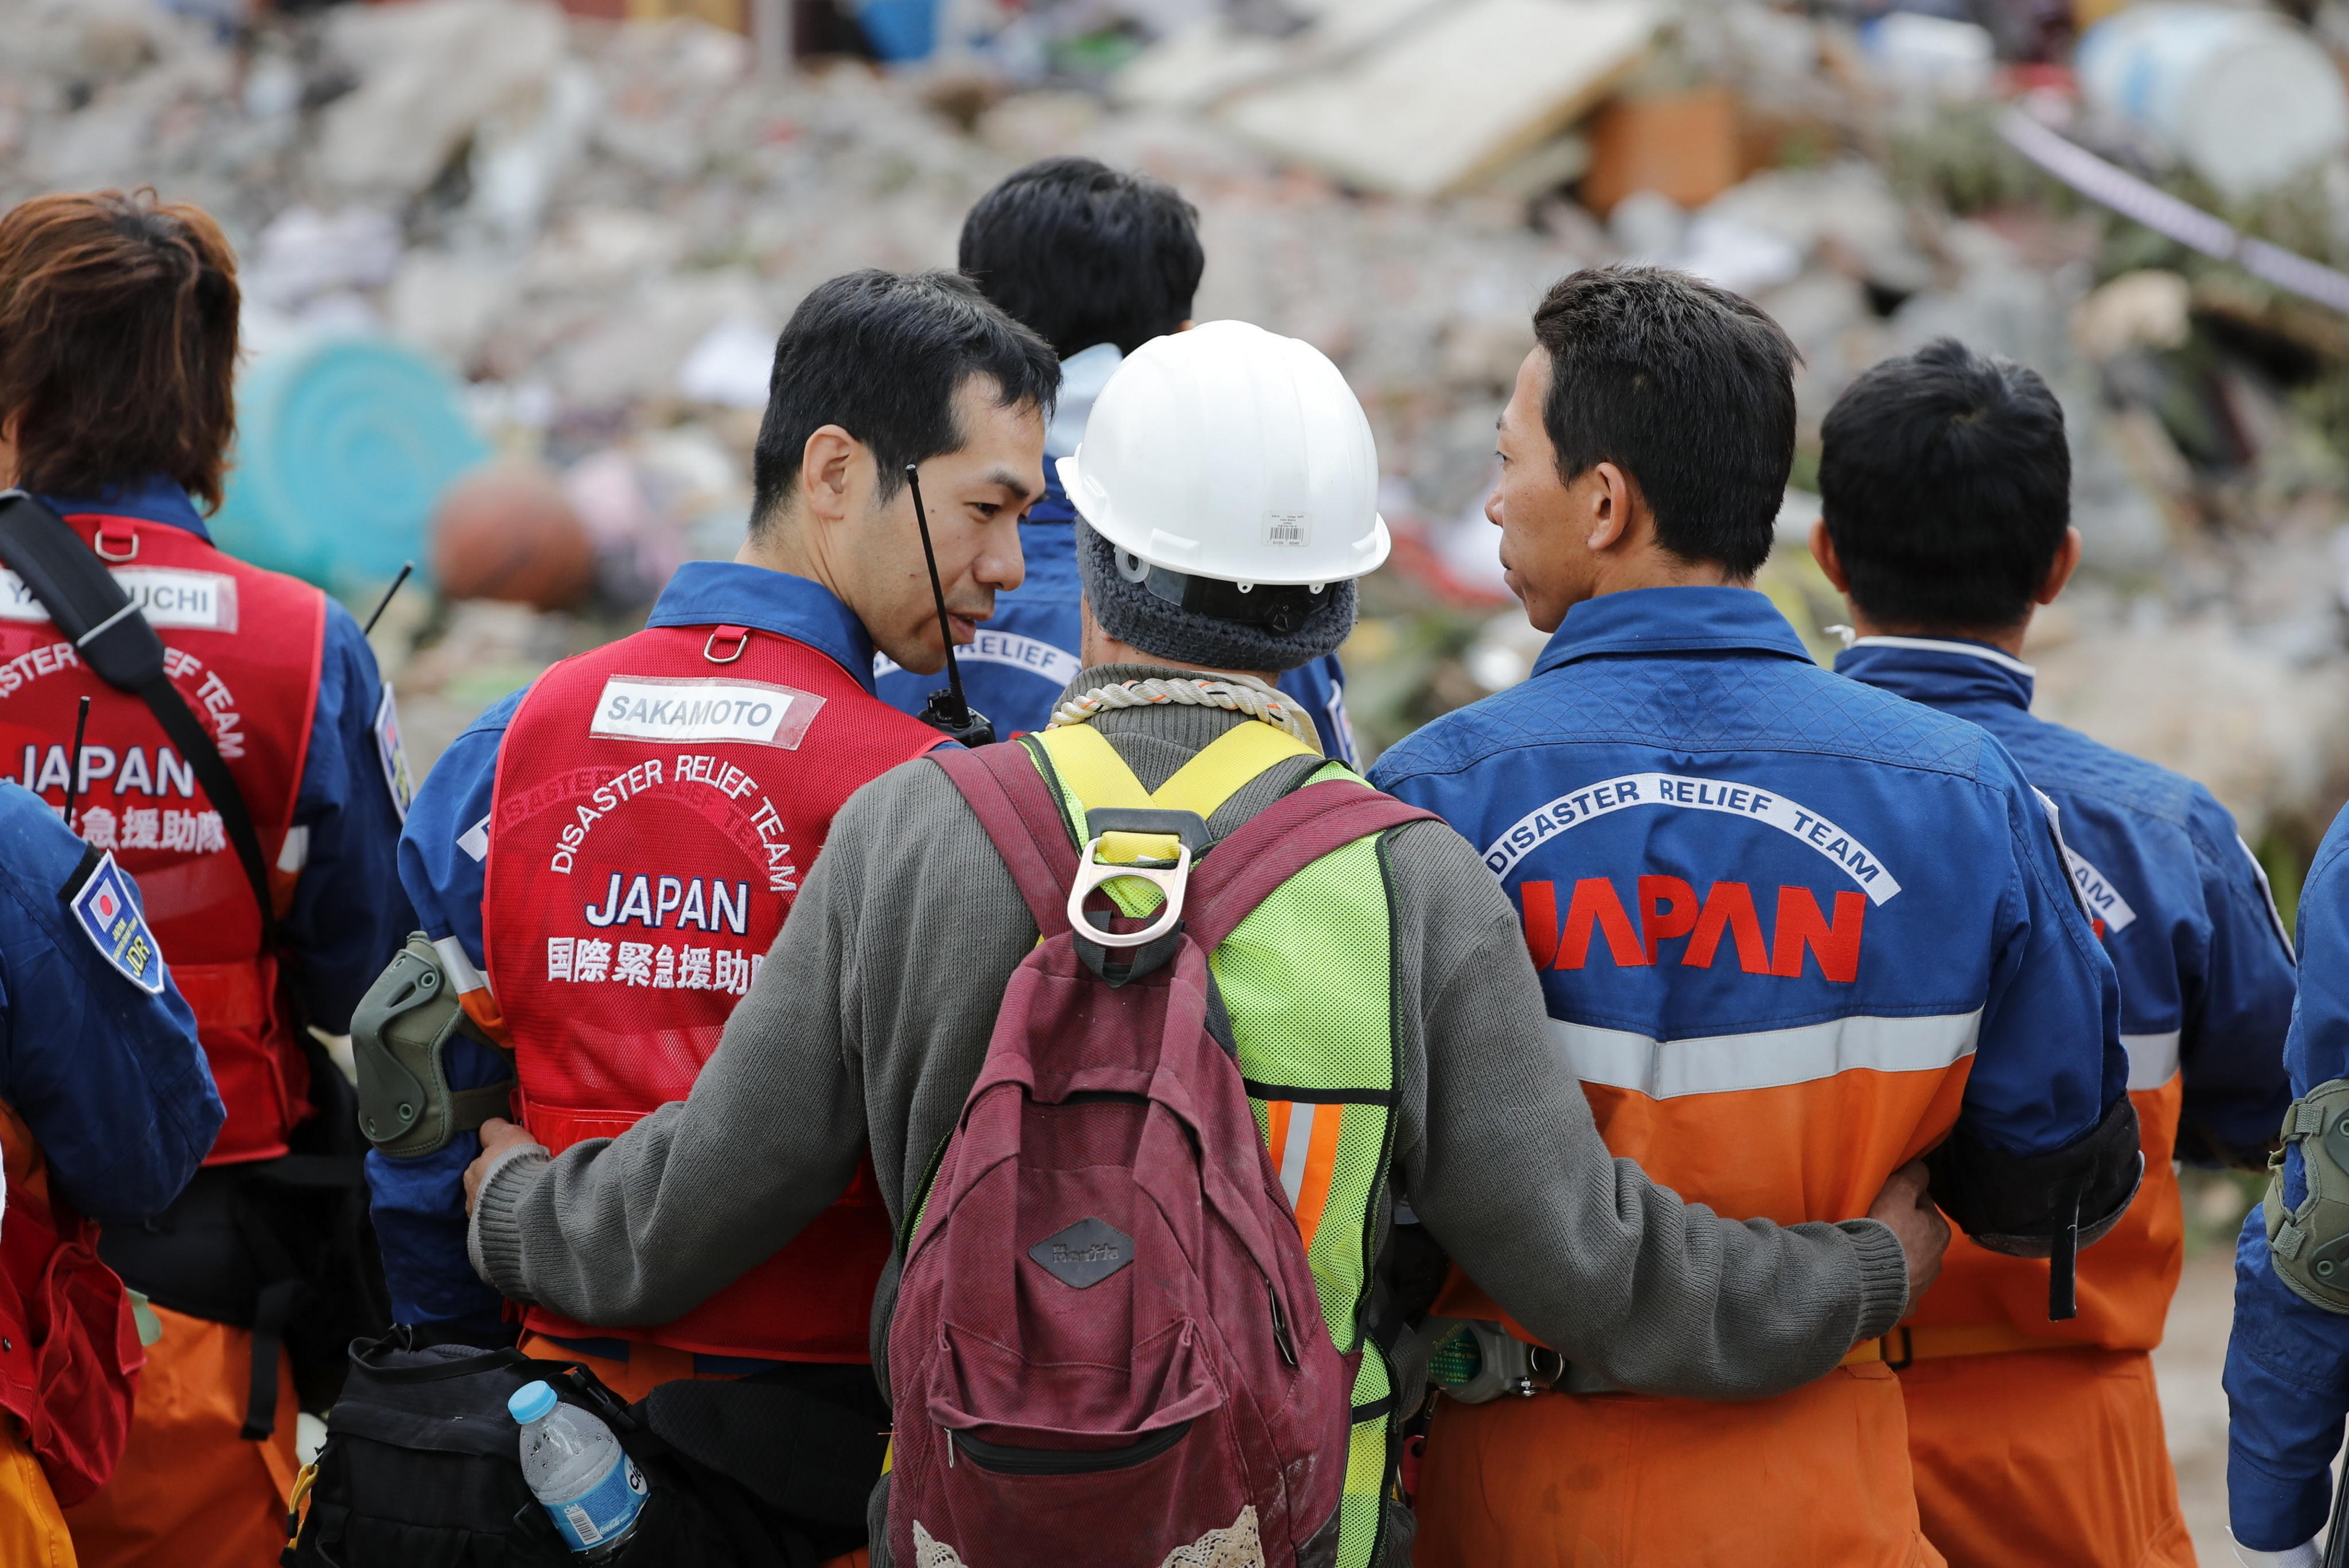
(32, 1531)
(2044, 1458)
(647, 1368)
(1815, 1479)
(189, 1492)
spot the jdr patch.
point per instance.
(107, 909)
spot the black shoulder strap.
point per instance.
(114, 639)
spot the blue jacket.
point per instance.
(349, 914)
(1026, 653)
(2287, 1375)
(108, 1077)
(1742, 874)
(2206, 969)
(419, 1204)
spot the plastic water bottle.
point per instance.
(579, 1473)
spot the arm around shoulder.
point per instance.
(1507, 1169)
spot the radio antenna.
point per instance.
(73, 764)
(949, 711)
(384, 603)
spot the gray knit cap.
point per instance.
(1132, 613)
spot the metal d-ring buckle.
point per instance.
(742, 636)
(98, 544)
(1169, 880)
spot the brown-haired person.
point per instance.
(118, 358)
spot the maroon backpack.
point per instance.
(1107, 1351)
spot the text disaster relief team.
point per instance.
(1279, 1204)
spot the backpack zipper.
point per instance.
(1004, 1459)
(1279, 1324)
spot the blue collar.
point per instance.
(1938, 671)
(729, 592)
(1672, 620)
(154, 499)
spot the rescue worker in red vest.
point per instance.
(105, 1110)
(1793, 933)
(118, 358)
(1947, 485)
(602, 860)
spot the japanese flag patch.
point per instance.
(107, 909)
(392, 753)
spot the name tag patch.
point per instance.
(2104, 901)
(660, 708)
(167, 596)
(108, 913)
(392, 753)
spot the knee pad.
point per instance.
(2310, 1244)
(399, 1041)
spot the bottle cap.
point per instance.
(530, 1401)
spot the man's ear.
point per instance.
(827, 473)
(2060, 570)
(1613, 498)
(1823, 551)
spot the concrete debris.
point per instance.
(1454, 97)
(430, 75)
(598, 228)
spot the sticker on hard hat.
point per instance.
(1288, 528)
(184, 601)
(660, 707)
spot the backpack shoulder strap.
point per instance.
(1016, 807)
(1277, 844)
(109, 635)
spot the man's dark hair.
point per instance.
(1086, 254)
(1685, 386)
(1947, 488)
(883, 355)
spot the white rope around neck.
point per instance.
(1240, 693)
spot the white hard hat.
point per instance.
(1230, 453)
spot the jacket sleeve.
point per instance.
(2287, 1375)
(2046, 1133)
(109, 1078)
(419, 1205)
(349, 914)
(1504, 1167)
(2237, 1006)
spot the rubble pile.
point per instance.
(599, 227)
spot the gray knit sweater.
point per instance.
(868, 1022)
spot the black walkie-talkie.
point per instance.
(949, 712)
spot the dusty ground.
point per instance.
(2187, 1363)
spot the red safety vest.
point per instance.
(658, 804)
(244, 648)
(69, 1350)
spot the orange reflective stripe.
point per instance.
(1303, 1141)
